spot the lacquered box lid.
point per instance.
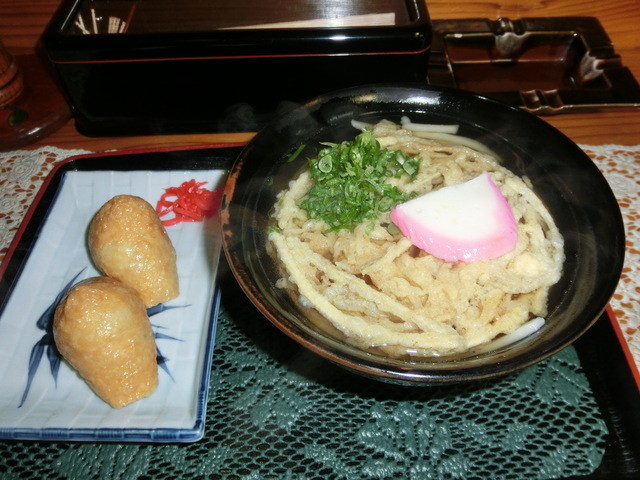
(113, 29)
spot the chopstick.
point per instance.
(114, 24)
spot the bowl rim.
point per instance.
(365, 364)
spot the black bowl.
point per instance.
(563, 176)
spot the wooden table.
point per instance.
(22, 22)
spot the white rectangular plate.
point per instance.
(42, 399)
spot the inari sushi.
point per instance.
(128, 242)
(101, 328)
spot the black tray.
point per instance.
(604, 356)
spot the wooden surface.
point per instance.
(22, 22)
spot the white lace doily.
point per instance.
(23, 172)
(621, 167)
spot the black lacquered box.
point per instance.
(132, 67)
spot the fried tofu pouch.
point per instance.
(101, 328)
(128, 242)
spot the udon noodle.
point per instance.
(380, 291)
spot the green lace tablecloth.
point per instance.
(277, 411)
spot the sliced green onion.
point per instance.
(295, 154)
(351, 181)
(325, 164)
